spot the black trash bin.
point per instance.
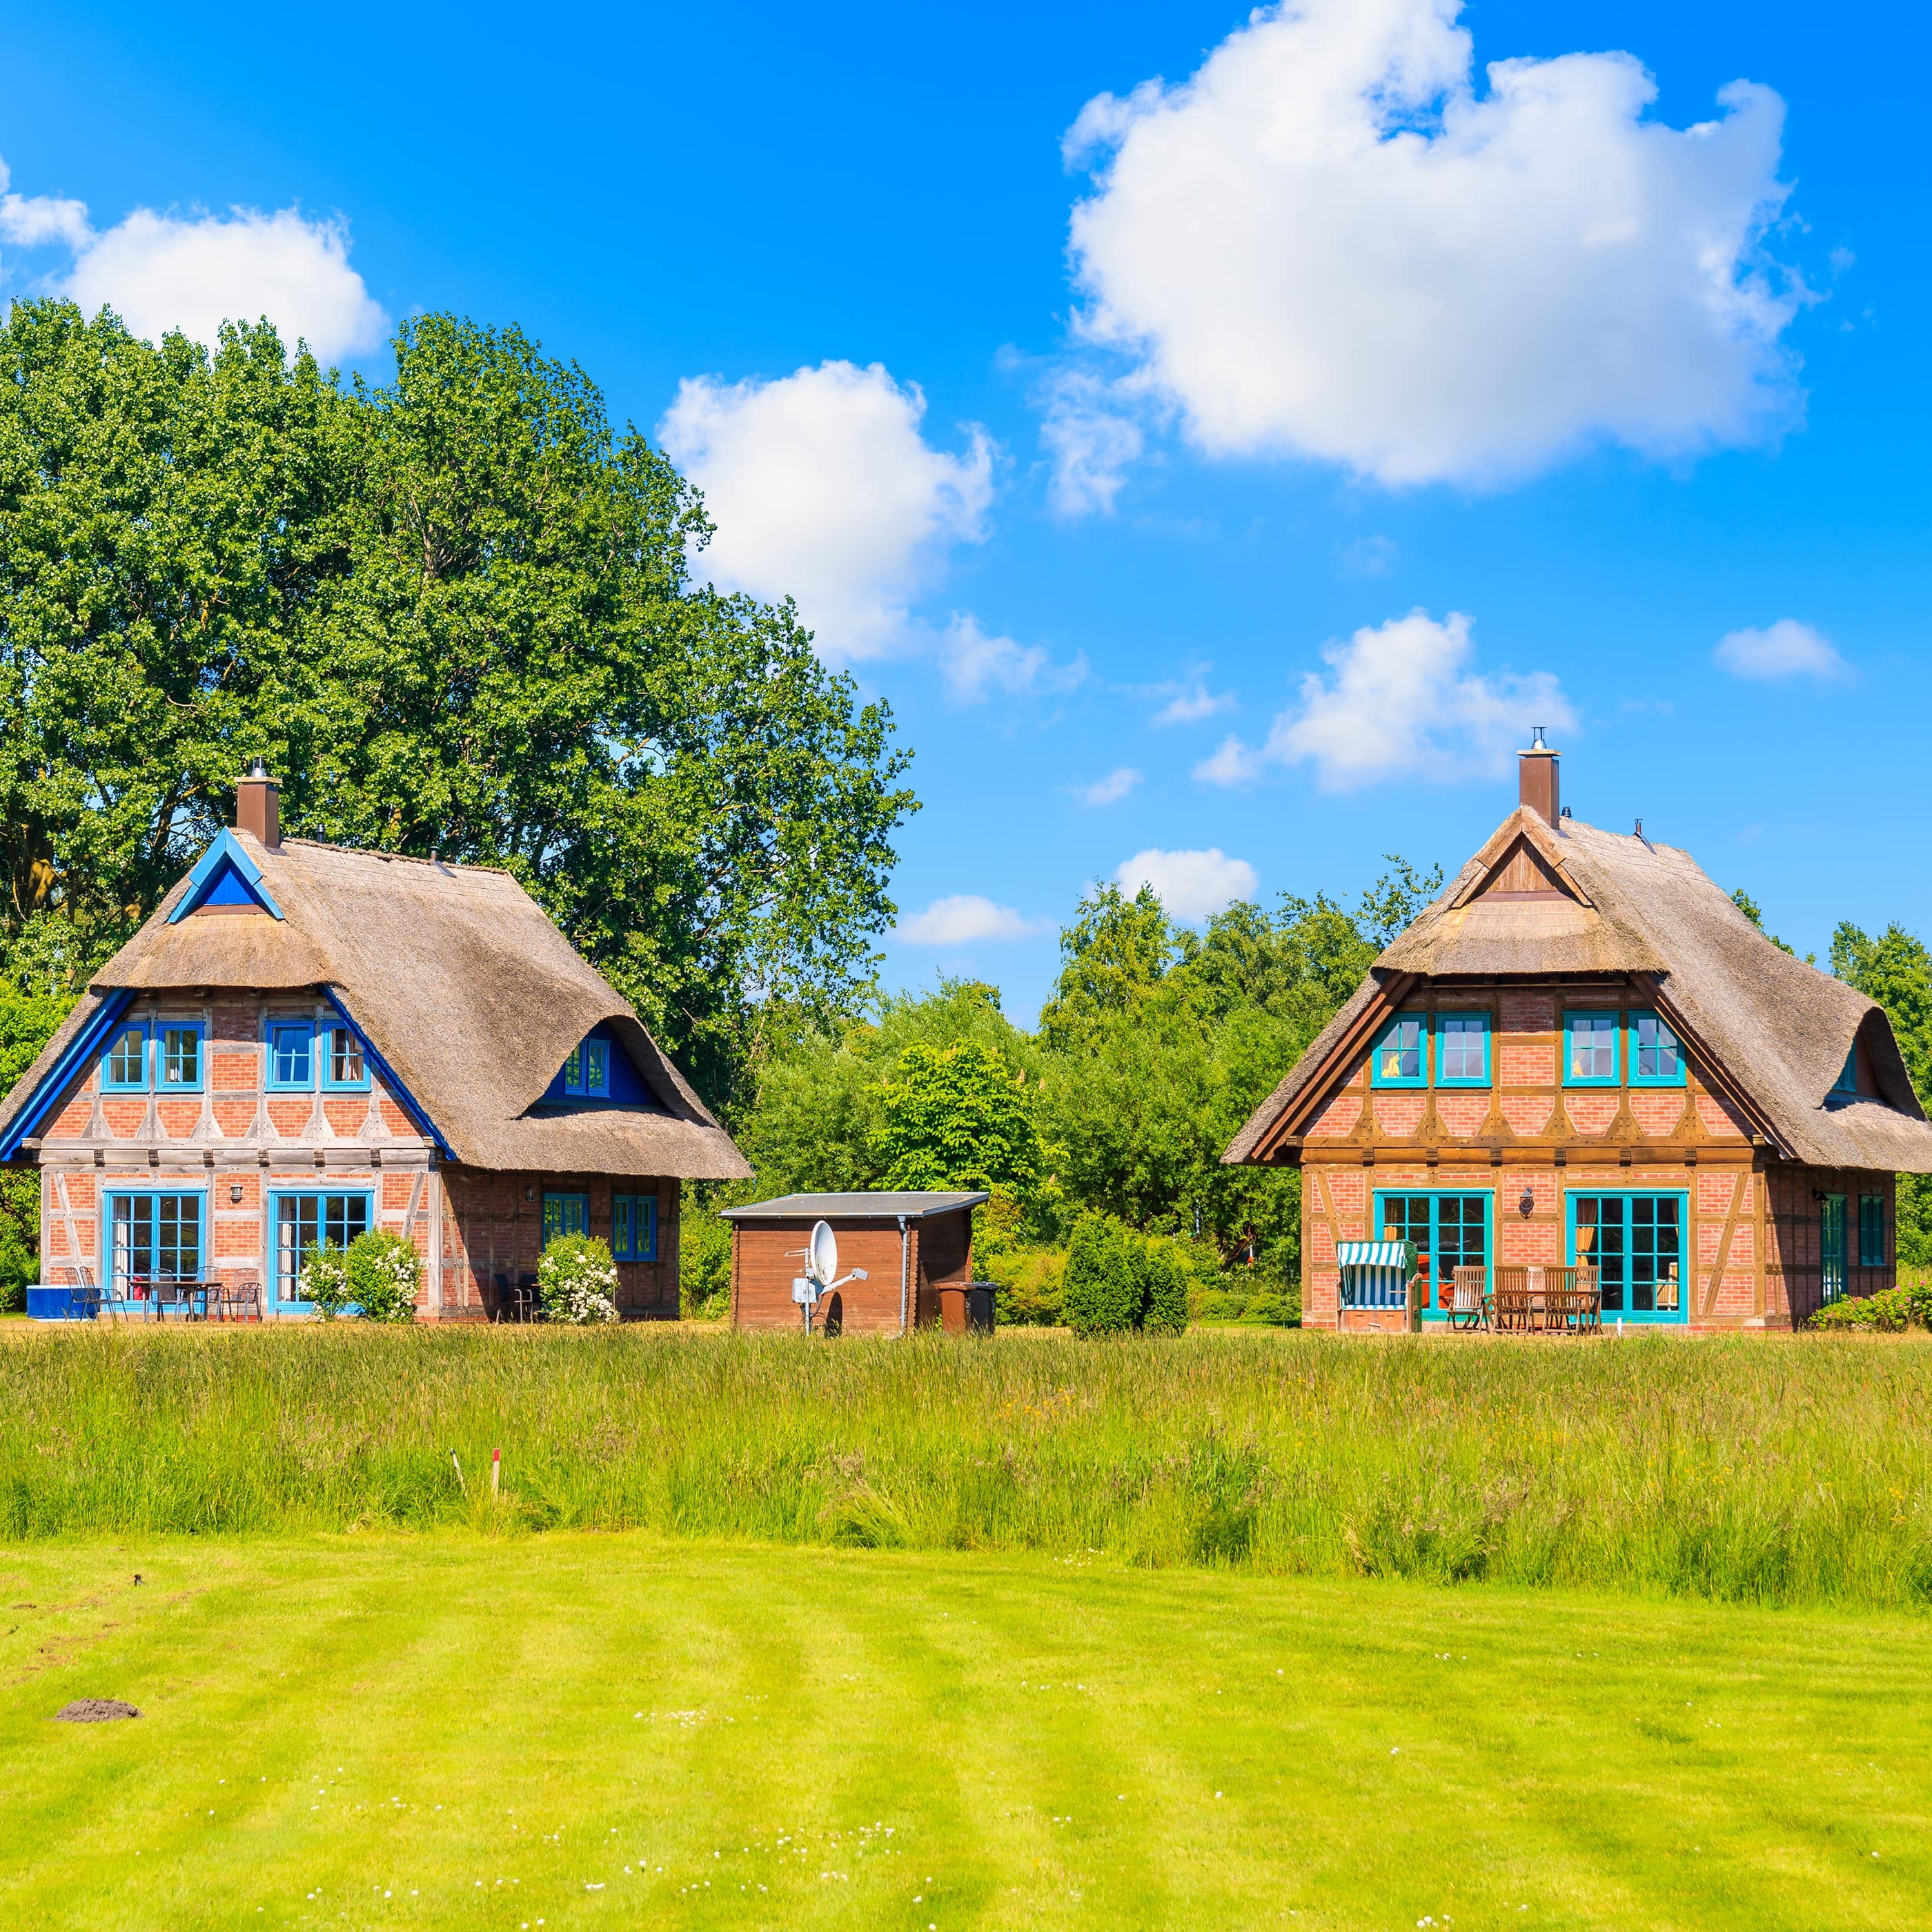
(979, 1307)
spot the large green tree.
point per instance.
(1895, 969)
(455, 612)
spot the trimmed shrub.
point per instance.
(577, 1281)
(384, 1274)
(324, 1280)
(1163, 1289)
(1100, 1292)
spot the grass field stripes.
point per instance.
(1778, 1473)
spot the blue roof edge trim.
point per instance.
(82, 1047)
(410, 1105)
(226, 851)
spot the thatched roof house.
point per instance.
(1703, 1042)
(489, 1050)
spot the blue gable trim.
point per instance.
(85, 1047)
(381, 1068)
(224, 875)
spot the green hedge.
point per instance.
(1118, 1279)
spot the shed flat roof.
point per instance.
(853, 1207)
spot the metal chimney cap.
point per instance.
(261, 770)
(1536, 743)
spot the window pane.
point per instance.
(1871, 1231)
(289, 1050)
(1657, 1053)
(345, 1057)
(1399, 1055)
(1463, 1038)
(127, 1058)
(596, 1067)
(178, 1234)
(181, 1057)
(647, 1228)
(1593, 1046)
(621, 1212)
(573, 1073)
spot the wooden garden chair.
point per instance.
(1469, 1306)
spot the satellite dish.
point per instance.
(824, 1254)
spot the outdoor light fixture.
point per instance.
(529, 1194)
(1526, 1206)
(235, 1192)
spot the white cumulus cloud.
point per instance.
(1192, 886)
(1233, 762)
(1786, 648)
(1110, 790)
(975, 664)
(1330, 243)
(193, 272)
(1190, 703)
(1404, 700)
(962, 919)
(824, 487)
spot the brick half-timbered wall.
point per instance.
(238, 1143)
(1751, 1247)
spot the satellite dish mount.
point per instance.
(821, 1276)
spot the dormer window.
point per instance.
(1847, 1081)
(587, 1072)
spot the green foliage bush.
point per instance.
(704, 1248)
(1889, 1312)
(577, 1281)
(384, 1273)
(1163, 1289)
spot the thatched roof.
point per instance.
(463, 985)
(1779, 1029)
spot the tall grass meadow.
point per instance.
(1794, 1472)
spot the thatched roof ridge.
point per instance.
(464, 987)
(1779, 1028)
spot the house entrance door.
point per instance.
(1831, 1247)
(1637, 1250)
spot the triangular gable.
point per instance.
(1523, 855)
(225, 876)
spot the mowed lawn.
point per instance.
(577, 1730)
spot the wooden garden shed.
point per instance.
(917, 1250)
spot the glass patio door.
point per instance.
(1450, 1230)
(1637, 1248)
(151, 1234)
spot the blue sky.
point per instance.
(1478, 399)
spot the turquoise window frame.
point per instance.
(1871, 1231)
(1444, 1035)
(1614, 1077)
(196, 1030)
(1436, 1196)
(152, 1196)
(561, 1209)
(633, 1227)
(326, 1034)
(108, 1085)
(597, 1069)
(276, 1196)
(1420, 1077)
(1667, 1318)
(273, 1083)
(1638, 1078)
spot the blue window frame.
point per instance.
(633, 1227)
(291, 1056)
(344, 1068)
(1590, 1042)
(152, 1233)
(565, 1214)
(1637, 1250)
(302, 1220)
(1847, 1081)
(178, 1056)
(1450, 1230)
(1657, 1056)
(124, 1066)
(1871, 1231)
(1462, 1050)
(587, 1071)
(1401, 1055)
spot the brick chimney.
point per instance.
(258, 806)
(1536, 769)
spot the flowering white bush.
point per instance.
(577, 1281)
(384, 1274)
(324, 1280)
